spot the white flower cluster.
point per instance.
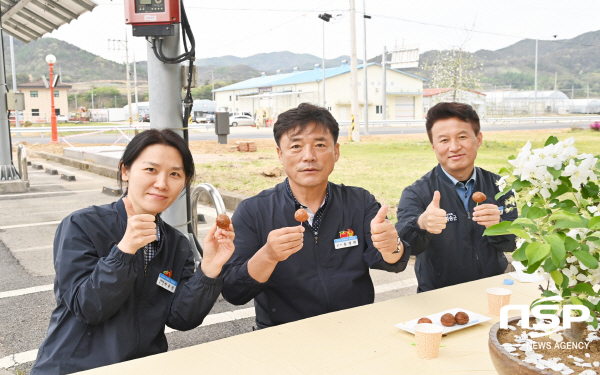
(532, 165)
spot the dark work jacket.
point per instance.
(317, 279)
(460, 253)
(108, 309)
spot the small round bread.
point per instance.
(424, 320)
(301, 215)
(223, 221)
(479, 197)
(462, 318)
(448, 320)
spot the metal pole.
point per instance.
(128, 87)
(212, 72)
(14, 79)
(323, 66)
(52, 110)
(164, 90)
(365, 63)
(535, 80)
(92, 98)
(354, 125)
(137, 109)
(7, 169)
(383, 83)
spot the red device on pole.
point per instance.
(152, 17)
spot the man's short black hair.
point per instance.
(443, 111)
(297, 119)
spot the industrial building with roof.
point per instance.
(270, 95)
(37, 100)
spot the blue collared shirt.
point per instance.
(464, 191)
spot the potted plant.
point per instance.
(558, 228)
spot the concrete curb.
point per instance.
(231, 200)
(83, 165)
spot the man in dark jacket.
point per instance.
(436, 214)
(322, 265)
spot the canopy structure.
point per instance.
(29, 20)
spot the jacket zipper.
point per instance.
(316, 235)
(473, 236)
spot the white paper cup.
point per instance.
(497, 298)
(428, 338)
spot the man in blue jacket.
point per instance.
(322, 265)
(436, 214)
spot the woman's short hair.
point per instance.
(444, 111)
(297, 119)
(156, 137)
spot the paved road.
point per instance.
(27, 226)
(247, 132)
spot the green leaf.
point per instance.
(537, 252)
(560, 190)
(498, 229)
(594, 223)
(584, 288)
(571, 244)
(565, 204)
(536, 212)
(594, 322)
(557, 248)
(520, 255)
(533, 267)
(557, 276)
(576, 301)
(554, 172)
(549, 293)
(518, 184)
(566, 292)
(568, 220)
(552, 140)
(590, 190)
(586, 258)
(548, 265)
(504, 171)
(520, 232)
(526, 223)
(503, 192)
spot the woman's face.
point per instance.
(155, 179)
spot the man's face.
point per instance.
(308, 158)
(455, 145)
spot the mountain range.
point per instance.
(576, 63)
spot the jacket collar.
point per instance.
(443, 176)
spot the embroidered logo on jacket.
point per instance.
(169, 274)
(451, 217)
(346, 233)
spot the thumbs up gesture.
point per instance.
(433, 219)
(383, 233)
(141, 230)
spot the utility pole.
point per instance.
(92, 98)
(115, 101)
(14, 78)
(365, 17)
(325, 17)
(212, 73)
(164, 90)
(354, 129)
(384, 83)
(535, 80)
(7, 169)
(555, 81)
(120, 45)
(137, 108)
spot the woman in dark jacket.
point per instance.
(122, 273)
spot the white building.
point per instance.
(272, 95)
(585, 105)
(521, 103)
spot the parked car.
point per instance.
(207, 117)
(61, 118)
(145, 117)
(236, 120)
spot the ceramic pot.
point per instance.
(506, 363)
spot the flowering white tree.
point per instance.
(457, 70)
(559, 222)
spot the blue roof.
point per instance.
(315, 75)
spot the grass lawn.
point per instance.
(384, 165)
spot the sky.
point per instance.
(247, 27)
